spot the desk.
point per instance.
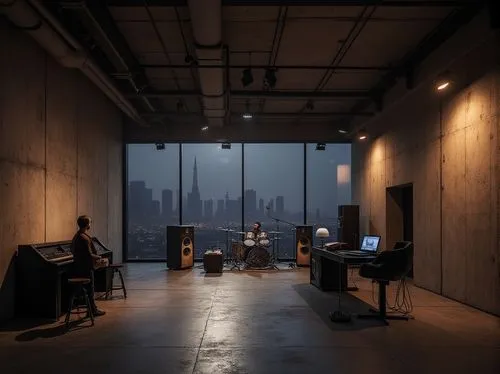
(328, 270)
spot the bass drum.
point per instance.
(249, 240)
(238, 251)
(258, 258)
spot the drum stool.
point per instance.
(78, 290)
(115, 268)
(213, 262)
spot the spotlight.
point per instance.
(320, 146)
(247, 78)
(443, 81)
(247, 115)
(270, 78)
(204, 128)
(362, 135)
(160, 146)
(342, 131)
(226, 146)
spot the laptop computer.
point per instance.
(369, 246)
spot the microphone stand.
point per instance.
(277, 220)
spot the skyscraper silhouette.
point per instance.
(194, 203)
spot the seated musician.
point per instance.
(256, 228)
(256, 231)
(85, 257)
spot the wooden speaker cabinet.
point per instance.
(303, 244)
(180, 247)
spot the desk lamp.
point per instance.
(322, 233)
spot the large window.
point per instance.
(222, 190)
(328, 184)
(152, 198)
(211, 193)
(274, 192)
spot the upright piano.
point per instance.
(41, 277)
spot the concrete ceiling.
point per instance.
(333, 60)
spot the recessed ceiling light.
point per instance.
(204, 128)
(343, 131)
(247, 116)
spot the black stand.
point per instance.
(227, 256)
(339, 316)
(276, 251)
(381, 313)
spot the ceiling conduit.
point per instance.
(32, 16)
(206, 20)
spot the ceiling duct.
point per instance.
(51, 35)
(206, 20)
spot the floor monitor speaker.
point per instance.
(303, 244)
(180, 247)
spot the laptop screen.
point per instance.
(370, 243)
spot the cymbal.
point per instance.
(240, 232)
(275, 232)
(227, 230)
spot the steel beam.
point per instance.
(349, 3)
(277, 67)
(316, 115)
(261, 94)
(428, 45)
(102, 21)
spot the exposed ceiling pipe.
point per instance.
(206, 20)
(51, 35)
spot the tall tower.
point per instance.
(195, 188)
(194, 202)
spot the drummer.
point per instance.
(256, 228)
(256, 232)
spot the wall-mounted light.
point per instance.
(247, 115)
(362, 135)
(443, 81)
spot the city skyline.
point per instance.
(271, 169)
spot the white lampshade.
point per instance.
(322, 233)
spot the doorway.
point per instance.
(399, 215)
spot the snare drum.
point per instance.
(249, 239)
(263, 239)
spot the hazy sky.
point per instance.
(270, 169)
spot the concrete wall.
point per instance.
(60, 155)
(447, 146)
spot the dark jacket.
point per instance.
(82, 248)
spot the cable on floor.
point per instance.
(403, 303)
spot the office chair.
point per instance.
(392, 265)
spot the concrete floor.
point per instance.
(253, 322)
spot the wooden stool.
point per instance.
(78, 289)
(115, 268)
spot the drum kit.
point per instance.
(254, 250)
